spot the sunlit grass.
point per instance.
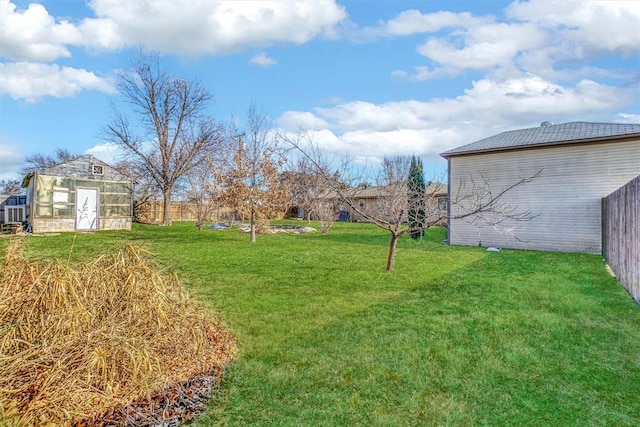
(453, 336)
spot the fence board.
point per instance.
(621, 235)
(152, 212)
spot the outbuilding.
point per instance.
(574, 164)
(85, 194)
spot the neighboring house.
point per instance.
(80, 195)
(365, 198)
(12, 208)
(372, 198)
(313, 189)
(579, 164)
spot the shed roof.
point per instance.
(79, 167)
(548, 134)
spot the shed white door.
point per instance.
(86, 209)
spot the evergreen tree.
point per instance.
(417, 189)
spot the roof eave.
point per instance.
(448, 154)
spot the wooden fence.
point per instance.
(151, 212)
(621, 235)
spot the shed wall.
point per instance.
(57, 225)
(566, 197)
(52, 213)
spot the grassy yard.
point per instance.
(453, 336)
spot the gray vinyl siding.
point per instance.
(566, 197)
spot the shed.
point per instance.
(84, 194)
(579, 164)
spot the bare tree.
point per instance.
(391, 203)
(177, 135)
(305, 185)
(10, 187)
(326, 214)
(311, 194)
(39, 161)
(389, 211)
(252, 183)
(393, 197)
(477, 203)
(201, 192)
(307, 178)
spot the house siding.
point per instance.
(565, 198)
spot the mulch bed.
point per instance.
(169, 408)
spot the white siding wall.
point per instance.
(566, 197)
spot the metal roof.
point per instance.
(548, 134)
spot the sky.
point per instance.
(368, 78)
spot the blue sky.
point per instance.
(369, 78)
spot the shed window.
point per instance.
(14, 213)
(361, 203)
(97, 169)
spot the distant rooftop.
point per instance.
(547, 134)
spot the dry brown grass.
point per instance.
(78, 342)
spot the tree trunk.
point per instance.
(392, 251)
(253, 226)
(166, 218)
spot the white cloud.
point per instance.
(414, 22)
(538, 36)
(207, 26)
(421, 73)
(410, 22)
(108, 152)
(427, 128)
(101, 34)
(262, 60)
(302, 119)
(591, 26)
(461, 41)
(386, 117)
(33, 34)
(31, 81)
(486, 47)
(10, 162)
(203, 27)
(628, 118)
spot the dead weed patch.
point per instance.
(111, 341)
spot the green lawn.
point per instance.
(453, 336)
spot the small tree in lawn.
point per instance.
(311, 194)
(251, 182)
(391, 207)
(326, 214)
(305, 185)
(416, 199)
(201, 192)
(390, 212)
